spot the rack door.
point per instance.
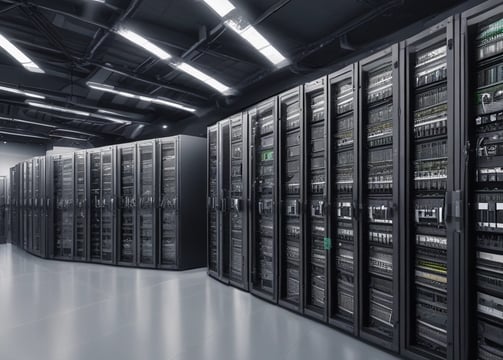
(81, 206)
(316, 241)
(146, 205)
(94, 166)
(212, 213)
(38, 207)
(429, 167)
(224, 199)
(378, 213)
(126, 234)
(290, 195)
(263, 237)
(108, 205)
(238, 180)
(168, 203)
(343, 195)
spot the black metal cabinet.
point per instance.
(290, 193)
(428, 166)
(101, 163)
(343, 199)
(3, 209)
(27, 201)
(81, 206)
(237, 174)
(212, 199)
(315, 235)
(146, 207)
(14, 183)
(481, 174)
(39, 207)
(263, 164)
(378, 207)
(127, 204)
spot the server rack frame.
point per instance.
(212, 201)
(393, 54)
(250, 113)
(147, 202)
(14, 205)
(240, 205)
(82, 206)
(423, 40)
(40, 206)
(223, 223)
(131, 204)
(350, 71)
(309, 207)
(3, 209)
(467, 323)
(299, 92)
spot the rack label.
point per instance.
(327, 243)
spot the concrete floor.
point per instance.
(51, 310)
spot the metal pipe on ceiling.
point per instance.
(9, 8)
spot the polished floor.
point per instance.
(51, 310)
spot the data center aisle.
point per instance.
(60, 311)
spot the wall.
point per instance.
(13, 153)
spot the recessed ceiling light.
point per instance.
(165, 126)
(5, 142)
(20, 57)
(208, 80)
(144, 43)
(221, 7)
(154, 100)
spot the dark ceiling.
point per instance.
(72, 40)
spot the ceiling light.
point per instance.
(23, 135)
(144, 43)
(77, 112)
(257, 40)
(21, 92)
(20, 57)
(75, 132)
(27, 122)
(59, 108)
(165, 126)
(221, 7)
(157, 100)
(5, 142)
(198, 74)
(109, 112)
(68, 137)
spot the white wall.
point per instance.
(13, 153)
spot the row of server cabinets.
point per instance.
(372, 199)
(132, 204)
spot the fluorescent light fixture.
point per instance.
(258, 41)
(74, 132)
(20, 57)
(21, 92)
(101, 111)
(77, 112)
(27, 122)
(68, 137)
(198, 74)
(149, 99)
(221, 7)
(23, 135)
(144, 43)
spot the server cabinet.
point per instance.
(218, 200)
(15, 205)
(378, 215)
(61, 225)
(146, 211)
(482, 177)
(290, 193)
(212, 200)
(428, 250)
(126, 207)
(3, 208)
(103, 204)
(315, 239)
(39, 206)
(343, 199)
(181, 202)
(263, 188)
(81, 206)
(238, 195)
(27, 200)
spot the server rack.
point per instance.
(15, 205)
(126, 208)
(342, 140)
(315, 236)
(290, 194)
(218, 200)
(61, 194)
(378, 215)
(481, 178)
(26, 195)
(181, 202)
(238, 201)
(3, 208)
(146, 211)
(39, 205)
(263, 165)
(101, 180)
(81, 206)
(428, 251)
